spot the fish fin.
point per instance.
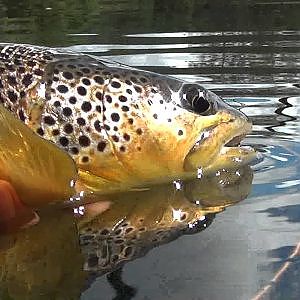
(38, 170)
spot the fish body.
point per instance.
(116, 122)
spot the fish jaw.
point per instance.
(218, 146)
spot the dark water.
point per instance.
(246, 51)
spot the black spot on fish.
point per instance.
(21, 70)
(81, 121)
(86, 81)
(108, 98)
(125, 108)
(40, 131)
(49, 120)
(99, 96)
(67, 75)
(74, 150)
(81, 90)
(130, 121)
(12, 96)
(85, 70)
(38, 72)
(57, 103)
(84, 141)
(86, 106)
(72, 100)
(99, 80)
(68, 128)
(85, 159)
(21, 115)
(97, 125)
(55, 132)
(126, 137)
(67, 111)
(27, 80)
(137, 89)
(116, 84)
(122, 98)
(115, 138)
(11, 80)
(64, 141)
(101, 146)
(98, 108)
(115, 117)
(133, 79)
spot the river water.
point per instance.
(248, 52)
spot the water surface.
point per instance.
(248, 53)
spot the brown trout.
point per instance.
(116, 122)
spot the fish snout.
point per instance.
(219, 105)
(201, 101)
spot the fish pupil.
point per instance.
(198, 103)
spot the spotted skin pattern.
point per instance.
(107, 116)
(108, 249)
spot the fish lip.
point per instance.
(212, 151)
(241, 127)
(235, 141)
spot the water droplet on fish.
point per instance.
(177, 184)
(79, 210)
(199, 173)
(204, 134)
(237, 159)
(77, 197)
(177, 213)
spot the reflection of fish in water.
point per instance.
(119, 123)
(137, 222)
(52, 261)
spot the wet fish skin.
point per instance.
(102, 112)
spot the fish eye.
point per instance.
(197, 100)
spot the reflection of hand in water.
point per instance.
(121, 228)
(13, 213)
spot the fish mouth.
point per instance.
(235, 141)
(220, 145)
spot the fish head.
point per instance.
(162, 127)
